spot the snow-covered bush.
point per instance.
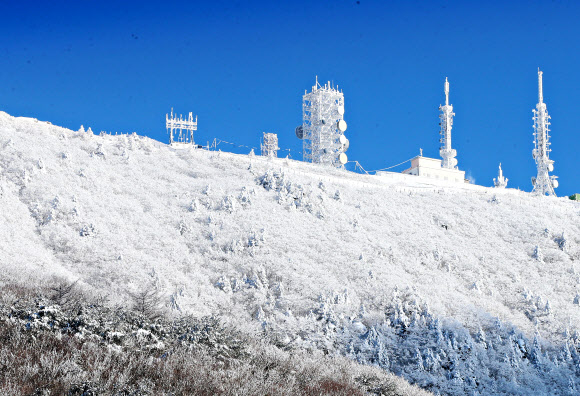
(95, 349)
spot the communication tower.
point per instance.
(269, 145)
(446, 122)
(500, 182)
(544, 184)
(323, 126)
(180, 129)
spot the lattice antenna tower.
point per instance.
(446, 122)
(180, 129)
(269, 145)
(323, 126)
(501, 181)
(544, 184)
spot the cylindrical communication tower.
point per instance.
(544, 183)
(446, 123)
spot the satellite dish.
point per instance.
(342, 139)
(550, 167)
(342, 158)
(347, 144)
(341, 125)
(341, 110)
(299, 132)
(555, 183)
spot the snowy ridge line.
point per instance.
(403, 184)
(339, 176)
(420, 182)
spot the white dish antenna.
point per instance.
(555, 183)
(342, 139)
(341, 125)
(551, 168)
(342, 158)
(347, 144)
(340, 110)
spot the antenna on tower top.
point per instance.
(540, 90)
(446, 92)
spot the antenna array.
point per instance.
(544, 184)
(180, 129)
(323, 126)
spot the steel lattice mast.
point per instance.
(323, 126)
(544, 184)
(269, 146)
(446, 122)
(180, 129)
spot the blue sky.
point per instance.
(242, 67)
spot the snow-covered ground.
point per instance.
(461, 289)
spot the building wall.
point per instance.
(431, 167)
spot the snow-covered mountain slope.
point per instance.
(460, 289)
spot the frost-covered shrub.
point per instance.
(87, 230)
(271, 180)
(223, 283)
(562, 242)
(292, 195)
(256, 238)
(98, 350)
(193, 206)
(228, 204)
(98, 152)
(537, 254)
(244, 198)
(183, 227)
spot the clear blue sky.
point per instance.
(242, 67)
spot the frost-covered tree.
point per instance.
(147, 302)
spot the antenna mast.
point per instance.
(269, 146)
(500, 182)
(446, 122)
(323, 126)
(544, 184)
(180, 129)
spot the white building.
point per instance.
(431, 168)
